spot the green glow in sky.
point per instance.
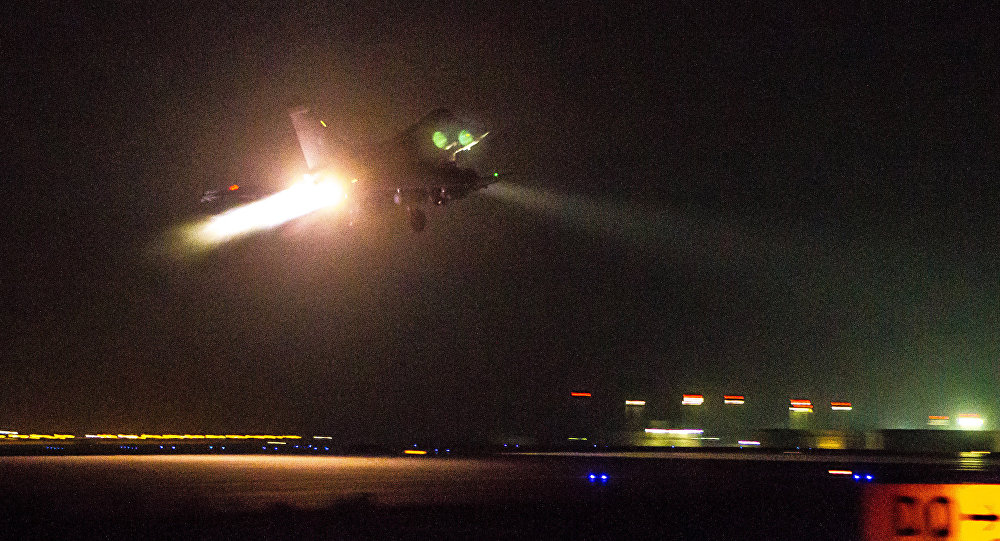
(464, 137)
(440, 139)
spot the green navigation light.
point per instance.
(464, 137)
(440, 139)
(496, 174)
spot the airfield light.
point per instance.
(970, 421)
(748, 442)
(840, 406)
(414, 452)
(937, 420)
(464, 137)
(800, 405)
(840, 472)
(675, 431)
(495, 174)
(578, 394)
(693, 400)
(635, 402)
(734, 399)
(440, 139)
(322, 123)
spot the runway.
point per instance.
(669, 495)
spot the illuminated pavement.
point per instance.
(689, 493)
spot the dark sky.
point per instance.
(781, 204)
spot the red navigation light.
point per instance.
(580, 395)
(234, 187)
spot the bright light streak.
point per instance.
(733, 399)
(580, 395)
(277, 443)
(840, 472)
(675, 431)
(840, 406)
(970, 421)
(311, 194)
(693, 400)
(748, 442)
(414, 452)
(635, 402)
(801, 405)
(322, 437)
(41, 436)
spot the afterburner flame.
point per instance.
(314, 192)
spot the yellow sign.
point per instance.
(904, 512)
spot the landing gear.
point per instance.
(418, 220)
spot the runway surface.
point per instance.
(663, 495)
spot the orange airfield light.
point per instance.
(692, 400)
(234, 187)
(733, 399)
(800, 405)
(578, 394)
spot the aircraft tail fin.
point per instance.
(311, 132)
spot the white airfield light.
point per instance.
(313, 193)
(970, 421)
(675, 431)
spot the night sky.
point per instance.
(775, 204)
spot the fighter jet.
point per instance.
(417, 167)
